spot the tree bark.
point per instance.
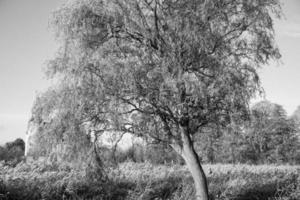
(187, 151)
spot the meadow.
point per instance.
(146, 181)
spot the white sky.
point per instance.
(26, 43)
(282, 83)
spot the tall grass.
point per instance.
(225, 181)
(145, 181)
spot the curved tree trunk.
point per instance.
(187, 151)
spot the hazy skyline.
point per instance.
(26, 43)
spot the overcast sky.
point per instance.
(26, 43)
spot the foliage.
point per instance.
(60, 131)
(296, 115)
(12, 152)
(48, 180)
(148, 66)
(270, 136)
(154, 153)
(162, 154)
(43, 180)
(166, 70)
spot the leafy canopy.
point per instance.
(152, 66)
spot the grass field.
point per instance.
(143, 181)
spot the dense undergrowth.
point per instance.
(144, 181)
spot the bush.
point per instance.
(45, 180)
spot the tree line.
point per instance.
(268, 136)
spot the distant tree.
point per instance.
(165, 69)
(229, 145)
(17, 143)
(296, 118)
(13, 152)
(207, 143)
(3, 153)
(271, 135)
(296, 114)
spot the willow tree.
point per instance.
(56, 127)
(166, 69)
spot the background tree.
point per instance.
(166, 69)
(296, 114)
(271, 134)
(208, 143)
(296, 118)
(2, 153)
(12, 152)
